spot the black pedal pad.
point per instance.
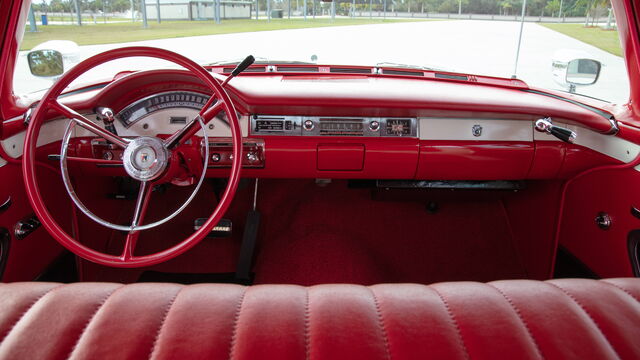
(222, 230)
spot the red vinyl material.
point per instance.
(518, 319)
(345, 157)
(473, 160)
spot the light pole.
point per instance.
(268, 11)
(158, 10)
(459, 8)
(304, 9)
(384, 10)
(370, 9)
(333, 10)
(78, 12)
(353, 9)
(32, 20)
(143, 7)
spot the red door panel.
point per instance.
(613, 192)
(28, 257)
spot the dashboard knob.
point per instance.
(107, 155)
(308, 125)
(215, 157)
(252, 157)
(374, 126)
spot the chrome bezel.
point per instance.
(158, 165)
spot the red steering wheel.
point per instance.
(146, 159)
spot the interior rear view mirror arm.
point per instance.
(546, 126)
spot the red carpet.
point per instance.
(312, 235)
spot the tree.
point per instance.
(553, 7)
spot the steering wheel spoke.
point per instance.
(142, 203)
(208, 112)
(87, 124)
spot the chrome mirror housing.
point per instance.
(49, 59)
(573, 68)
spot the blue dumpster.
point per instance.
(44, 19)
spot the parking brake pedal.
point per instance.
(222, 230)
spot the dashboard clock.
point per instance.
(399, 127)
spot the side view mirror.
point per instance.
(583, 71)
(573, 68)
(45, 63)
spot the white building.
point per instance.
(197, 10)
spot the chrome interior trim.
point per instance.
(614, 127)
(457, 129)
(66, 179)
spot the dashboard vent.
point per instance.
(452, 77)
(350, 70)
(249, 69)
(298, 69)
(403, 72)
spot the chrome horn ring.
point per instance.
(138, 168)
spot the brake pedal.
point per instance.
(223, 229)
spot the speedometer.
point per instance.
(160, 101)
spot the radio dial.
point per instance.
(308, 125)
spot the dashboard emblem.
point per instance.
(476, 130)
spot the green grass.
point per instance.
(91, 34)
(606, 40)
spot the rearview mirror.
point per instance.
(45, 63)
(583, 71)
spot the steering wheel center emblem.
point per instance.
(145, 158)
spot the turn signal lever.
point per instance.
(242, 66)
(106, 115)
(546, 126)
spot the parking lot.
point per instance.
(473, 46)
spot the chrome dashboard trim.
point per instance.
(614, 127)
(461, 129)
(146, 98)
(356, 126)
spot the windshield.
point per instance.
(569, 45)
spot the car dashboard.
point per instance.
(350, 126)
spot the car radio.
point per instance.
(333, 126)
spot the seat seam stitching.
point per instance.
(234, 331)
(622, 289)
(453, 321)
(567, 293)
(381, 324)
(307, 315)
(31, 306)
(90, 319)
(163, 321)
(520, 317)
